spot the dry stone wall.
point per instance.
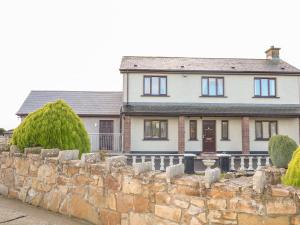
(114, 194)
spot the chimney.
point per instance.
(272, 53)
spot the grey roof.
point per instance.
(84, 103)
(226, 65)
(211, 109)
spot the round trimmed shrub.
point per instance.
(281, 148)
(55, 125)
(292, 176)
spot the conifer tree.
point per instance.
(55, 125)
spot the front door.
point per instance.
(106, 138)
(209, 136)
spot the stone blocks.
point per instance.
(3, 190)
(90, 157)
(173, 171)
(32, 150)
(101, 194)
(116, 162)
(142, 167)
(259, 181)
(211, 176)
(68, 155)
(45, 153)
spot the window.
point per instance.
(155, 129)
(155, 85)
(224, 130)
(265, 129)
(264, 87)
(193, 129)
(212, 86)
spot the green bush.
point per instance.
(292, 176)
(55, 125)
(281, 149)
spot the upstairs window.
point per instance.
(155, 85)
(212, 86)
(265, 129)
(264, 87)
(155, 129)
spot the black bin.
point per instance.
(189, 163)
(224, 162)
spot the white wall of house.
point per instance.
(137, 136)
(286, 126)
(92, 126)
(237, 89)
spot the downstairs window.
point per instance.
(155, 129)
(265, 129)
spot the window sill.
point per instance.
(265, 97)
(155, 96)
(212, 96)
(155, 139)
(225, 140)
(262, 139)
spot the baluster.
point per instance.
(162, 162)
(267, 161)
(258, 162)
(242, 163)
(250, 166)
(153, 162)
(171, 160)
(133, 159)
(232, 163)
(180, 159)
(143, 159)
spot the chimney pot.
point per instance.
(272, 53)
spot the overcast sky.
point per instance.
(78, 45)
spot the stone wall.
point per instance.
(114, 195)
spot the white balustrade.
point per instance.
(255, 162)
(232, 163)
(180, 159)
(267, 161)
(171, 160)
(250, 166)
(162, 162)
(242, 163)
(153, 162)
(258, 162)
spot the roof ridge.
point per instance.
(186, 57)
(76, 91)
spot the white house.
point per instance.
(199, 105)
(177, 105)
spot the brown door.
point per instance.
(106, 138)
(209, 136)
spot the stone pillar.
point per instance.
(245, 135)
(127, 134)
(181, 134)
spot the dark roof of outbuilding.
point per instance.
(211, 109)
(84, 103)
(186, 64)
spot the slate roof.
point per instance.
(211, 109)
(85, 103)
(225, 65)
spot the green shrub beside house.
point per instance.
(281, 148)
(55, 125)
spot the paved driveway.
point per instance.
(14, 212)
